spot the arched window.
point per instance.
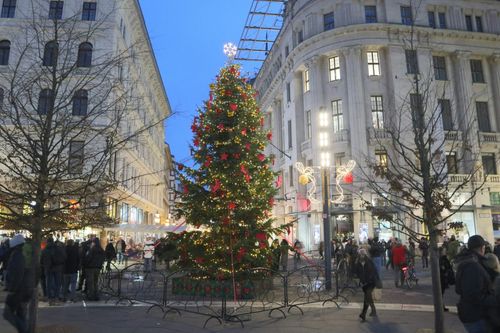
(80, 103)
(84, 55)
(50, 54)
(45, 101)
(4, 52)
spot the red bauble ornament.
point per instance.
(228, 92)
(220, 127)
(269, 136)
(231, 205)
(262, 121)
(247, 146)
(233, 107)
(196, 142)
(216, 186)
(348, 178)
(244, 132)
(261, 157)
(224, 156)
(185, 189)
(236, 156)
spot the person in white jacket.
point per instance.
(149, 251)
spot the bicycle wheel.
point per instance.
(409, 282)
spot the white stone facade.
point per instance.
(141, 166)
(347, 65)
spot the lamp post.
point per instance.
(325, 163)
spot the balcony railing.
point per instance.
(493, 178)
(485, 137)
(341, 136)
(453, 136)
(305, 145)
(378, 133)
(459, 178)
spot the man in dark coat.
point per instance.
(368, 277)
(19, 284)
(93, 261)
(473, 284)
(110, 254)
(71, 267)
(52, 260)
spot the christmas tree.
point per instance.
(228, 194)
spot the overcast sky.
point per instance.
(188, 37)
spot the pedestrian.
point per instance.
(376, 252)
(399, 261)
(474, 286)
(110, 254)
(275, 248)
(120, 250)
(297, 252)
(83, 249)
(424, 250)
(369, 279)
(453, 248)
(148, 254)
(19, 285)
(52, 261)
(492, 265)
(411, 252)
(4, 257)
(71, 267)
(388, 248)
(284, 248)
(496, 250)
(446, 274)
(93, 262)
(321, 249)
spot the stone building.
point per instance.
(351, 60)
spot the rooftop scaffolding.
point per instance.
(262, 26)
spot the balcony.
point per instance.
(341, 136)
(306, 145)
(459, 178)
(378, 134)
(493, 179)
(486, 138)
(455, 136)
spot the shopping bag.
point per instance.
(377, 294)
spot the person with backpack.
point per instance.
(93, 262)
(52, 261)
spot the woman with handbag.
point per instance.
(447, 276)
(369, 279)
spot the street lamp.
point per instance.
(325, 164)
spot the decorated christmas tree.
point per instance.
(228, 194)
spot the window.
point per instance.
(8, 8)
(56, 10)
(290, 174)
(328, 21)
(468, 22)
(377, 112)
(495, 198)
(334, 65)
(300, 36)
(371, 14)
(416, 103)
(373, 63)
(446, 117)
(411, 62)
(84, 55)
(306, 81)
(479, 24)
(451, 163)
(442, 20)
(406, 15)
(50, 54)
(381, 158)
(432, 19)
(76, 157)
(489, 164)
(288, 93)
(287, 51)
(4, 52)
(338, 117)
(80, 103)
(45, 101)
(476, 68)
(89, 10)
(290, 145)
(483, 118)
(308, 125)
(439, 64)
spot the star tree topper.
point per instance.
(230, 50)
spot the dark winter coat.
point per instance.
(473, 284)
(72, 259)
(122, 246)
(94, 258)
(424, 247)
(110, 252)
(19, 279)
(445, 270)
(367, 273)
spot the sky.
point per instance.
(188, 38)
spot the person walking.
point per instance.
(388, 247)
(297, 249)
(94, 260)
(399, 261)
(284, 247)
(148, 254)
(120, 250)
(493, 267)
(52, 261)
(446, 274)
(424, 249)
(376, 252)
(71, 267)
(369, 279)
(110, 254)
(275, 248)
(19, 285)
(83, 249)
(453, 247)
(411, 251)
(473, 285)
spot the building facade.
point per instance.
(114, 29)
(351, 59)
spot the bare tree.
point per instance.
(67, 109)
(418, 177)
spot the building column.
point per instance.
(494, 64)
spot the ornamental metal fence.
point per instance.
(265, 290)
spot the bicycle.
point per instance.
(409, 275)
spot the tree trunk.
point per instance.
(436, 284)
(35, 268)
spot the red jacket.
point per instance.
(398, 255)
